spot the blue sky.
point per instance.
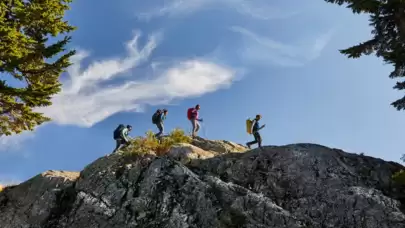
(235, 58)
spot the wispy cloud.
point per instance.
(263, 50)
(88, 96)
(14, 142)
(258, 9)
(109, 86)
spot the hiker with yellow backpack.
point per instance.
(252, 127)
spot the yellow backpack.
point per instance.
(249, 126)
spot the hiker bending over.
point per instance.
(121, 136)
(255, 131)
(192, 115)
(158, 119)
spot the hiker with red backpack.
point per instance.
(192, 115)
(158, 117)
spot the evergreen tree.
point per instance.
(388, 20)
(30, 62)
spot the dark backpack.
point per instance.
(117, 131)
(156, 115)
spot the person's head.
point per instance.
(258, 116)
(197, 107)
(165, 111)
(129, 127)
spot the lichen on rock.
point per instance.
(213, 183)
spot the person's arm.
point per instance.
(124, 133)
(196, 116)
(162, 117)
(261, 127)
(253, 125)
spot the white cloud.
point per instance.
(263, 50)
(14, 142)
(88, 96)
(87, 99)
(258, 9)
(104, 70)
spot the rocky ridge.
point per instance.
(211, 183)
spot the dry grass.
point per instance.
(150, 144)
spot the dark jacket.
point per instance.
(255, 126)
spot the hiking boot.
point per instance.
(248, 146)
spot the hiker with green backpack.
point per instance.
(121, 136)
(158, 118)
(252, 127)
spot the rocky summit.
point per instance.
(213, 184)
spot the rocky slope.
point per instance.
(213, 184)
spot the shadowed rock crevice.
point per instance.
(214, 184)
(64, 204)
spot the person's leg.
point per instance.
(197, 126)
(258, 138)
(160, 127)
(248, 144)
(117, 145)
(252, 142)
(193, 124)
(125, 144)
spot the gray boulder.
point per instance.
(293, 186)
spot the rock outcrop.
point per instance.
(218, 146)
(214, 184)
(31, 203)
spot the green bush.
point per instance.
(150, 144)
(400, 175)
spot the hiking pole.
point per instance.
(203, 129)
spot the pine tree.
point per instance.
(33, 37)
(387, 17)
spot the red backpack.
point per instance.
(189, 113)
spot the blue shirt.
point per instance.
(255, 125)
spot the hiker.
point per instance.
(192, 115)
(254, 129)
(121, 136)
(158, 118)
